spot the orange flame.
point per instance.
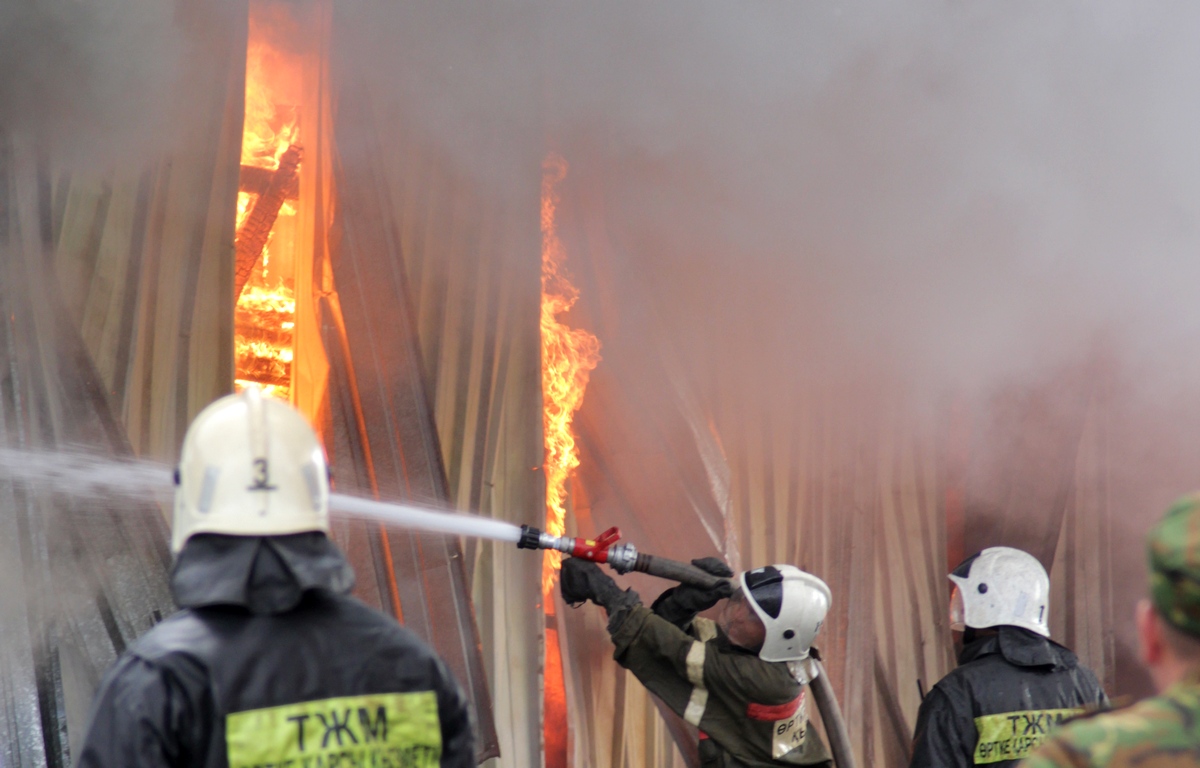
(268, 128)
(265, 317)
(568, 357)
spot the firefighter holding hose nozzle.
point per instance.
(740, 680)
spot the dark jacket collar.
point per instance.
(263, 574)
(1020, 647)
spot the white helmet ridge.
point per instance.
(1001, 586)
(250, 466)
(791, 605)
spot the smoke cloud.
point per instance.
(954, 200)
(958, 202)
(970, 192)
(96, 84)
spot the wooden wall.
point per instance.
(856, 498)
(117, 290)
(107, 345)
(119, 329)
(141, 254)
(462, 231)
(848, 481)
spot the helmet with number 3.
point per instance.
(250, 466)
(1000, 586)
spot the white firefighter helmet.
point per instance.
(250, 466)
(791, 605)
(1001, 586)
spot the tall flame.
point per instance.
(266, 308)
(568, 358)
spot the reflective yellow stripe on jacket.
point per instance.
(377, 729)
(1013, 735)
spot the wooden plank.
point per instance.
(139, 400)
(102, 306)
(429, 575)
(898, 736)
(893, 485)
(98, 578)
(82, 230)
(473, 412)
(350, 463)
(131, 295)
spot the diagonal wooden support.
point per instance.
(252, 237)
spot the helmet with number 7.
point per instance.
(250, 466)
(1000, 586)
(791, 605)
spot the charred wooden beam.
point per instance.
(252, 237)
(422, 576)
(256, 181)
(275, 337)
(269, 378)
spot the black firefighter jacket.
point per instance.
(1008, 692)
(270, 664)
(751, 713)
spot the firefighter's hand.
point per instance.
(582, 580)
(679, 605)
(714, 565)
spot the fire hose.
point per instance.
(624, 558)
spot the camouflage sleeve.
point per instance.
(1055, 753)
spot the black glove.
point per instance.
(582, 580)
(679, 605)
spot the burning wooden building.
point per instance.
(306, 237)
(256, 253)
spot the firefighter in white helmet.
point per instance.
(741, 679)
(1013, 684)
(269, 662)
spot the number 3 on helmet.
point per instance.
(250, 466)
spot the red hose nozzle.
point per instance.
(596, 551)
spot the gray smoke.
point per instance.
(967, 193)
(94, 83)
(951, 199)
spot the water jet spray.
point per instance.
(84, 475)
